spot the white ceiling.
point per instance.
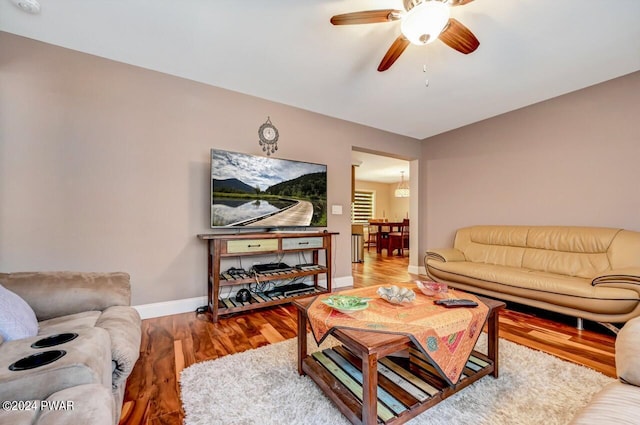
(377, 168)
(287, 51)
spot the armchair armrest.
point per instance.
(627, 359)
(444, 255)
(54, 294)
(87, 361)
(627, 278)
(123, 326)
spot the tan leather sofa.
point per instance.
(585, 272)
(618, 402)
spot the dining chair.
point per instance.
(399, 240)
(372, 234)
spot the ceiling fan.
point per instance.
(422, 22)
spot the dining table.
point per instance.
(383, 228)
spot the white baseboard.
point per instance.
(343, 282)
(166, 308)
(420, 270)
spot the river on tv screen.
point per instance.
(228, 211)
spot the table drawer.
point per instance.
(301, 243)
(252, 245)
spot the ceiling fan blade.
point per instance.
(367, 17)
(459, 37)
(393, 53)
(459, 2)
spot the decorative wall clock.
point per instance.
(269, 135)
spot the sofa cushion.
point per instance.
(568, 250)
(68, 323)
(624, 250)
(573, 292)
(584, 240)
(17, 319)
(616, 403)
(584, 265)
(503, 245)
(53, 294)
(536, 280)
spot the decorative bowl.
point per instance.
(433, 289)
(347, 303)
(396, 295)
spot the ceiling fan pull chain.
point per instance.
(426, 81)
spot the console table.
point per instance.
(264, 243)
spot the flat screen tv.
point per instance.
(256, 191)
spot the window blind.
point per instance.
(362, 207)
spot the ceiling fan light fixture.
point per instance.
(424, 23)
(29, 6)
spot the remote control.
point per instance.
(454, 302)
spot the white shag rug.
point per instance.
(262, 387)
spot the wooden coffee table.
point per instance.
(370, 388)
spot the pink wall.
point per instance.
(572, 160)
(105, 166)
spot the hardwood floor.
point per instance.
(171, 343)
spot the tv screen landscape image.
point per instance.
(255, 191)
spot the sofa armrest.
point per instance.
(627, 359)
(88, 404)
(87, 360)
(82, 404)
(55, 294)
(124, 327)
(626, 278)
(444, 255)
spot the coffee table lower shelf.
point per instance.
(406, 386)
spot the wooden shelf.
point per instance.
(267, 277)
(406, 387)
(259, 300)
(221, 246)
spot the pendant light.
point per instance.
(402, 191)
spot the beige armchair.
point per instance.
(93, 369)
(618, 402)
